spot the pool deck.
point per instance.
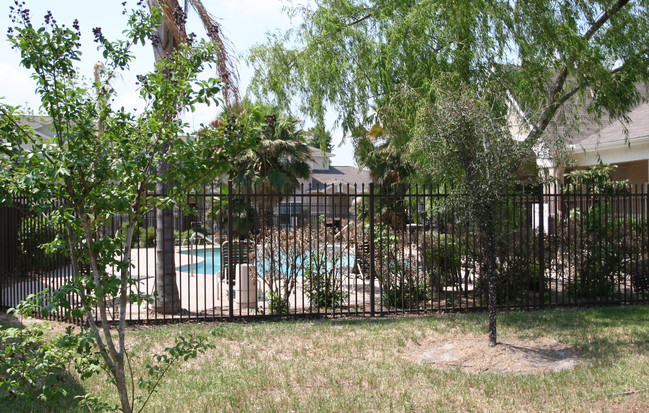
(200, 294)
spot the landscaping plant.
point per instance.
(102, 162)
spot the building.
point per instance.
(329, 191)
(617, 143)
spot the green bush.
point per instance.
(403, 285)
(597, 270)
(144, 237)
(33, 235)
(444, 260)
(517, 278)
(406, 295)
(181, 237)
(277, 305)
(322, 284)
(245, 219)
(34, 367)
(595, 251)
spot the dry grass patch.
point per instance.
(386, 365)
(511, 355)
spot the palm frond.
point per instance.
(226, 65)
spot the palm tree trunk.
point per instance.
(168, 299)
(171, 33)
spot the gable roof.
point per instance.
(340, 175)
(614, 132)
(42, 125)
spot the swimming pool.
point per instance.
(211, 262)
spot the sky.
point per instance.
(244, 22)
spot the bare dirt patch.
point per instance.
(510, 355)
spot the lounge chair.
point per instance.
(233, 258)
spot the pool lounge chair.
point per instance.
(239, 252)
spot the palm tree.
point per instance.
(171, 34)
(274, 159)
(389, 168)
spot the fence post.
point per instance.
(230, 270)
(541, 248)
(371, 218)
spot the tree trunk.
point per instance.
(122, 387)
(491, 279)
(168, 299)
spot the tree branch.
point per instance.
(556, 97)
(355, 22)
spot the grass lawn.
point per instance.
(360, 365)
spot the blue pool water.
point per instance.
(211, 262)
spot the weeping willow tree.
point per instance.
(558, 60)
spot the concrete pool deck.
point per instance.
(200, 294)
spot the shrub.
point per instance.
(144, 237)
(406, 295)
(181, 237)
(277, 305)
(322, 283)
(444, 260)
(403, 285)
(597, 270)
(35, 368)
(517, 278)
(638, 269)
(33, 235)
(595, 252)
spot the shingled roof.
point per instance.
(340, 175)
(614, 132)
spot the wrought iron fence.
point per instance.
(363, 251)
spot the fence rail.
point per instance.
(342, 250)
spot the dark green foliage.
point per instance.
(35, 367)
(323, 284)
(144, 237)
(34, 235)
(278, 304)
(444, 259)
(518, 279)
(639, 271)
(407, 293)
(595, 251)
(244, 216)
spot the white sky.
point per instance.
(244, 22)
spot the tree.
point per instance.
(460, 141)
(360, 56)
(319, 137)
(274, 156)
(99, 165)
(171, 35)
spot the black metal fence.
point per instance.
(342, 250)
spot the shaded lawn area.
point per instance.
(362, 365)
(59, 379)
